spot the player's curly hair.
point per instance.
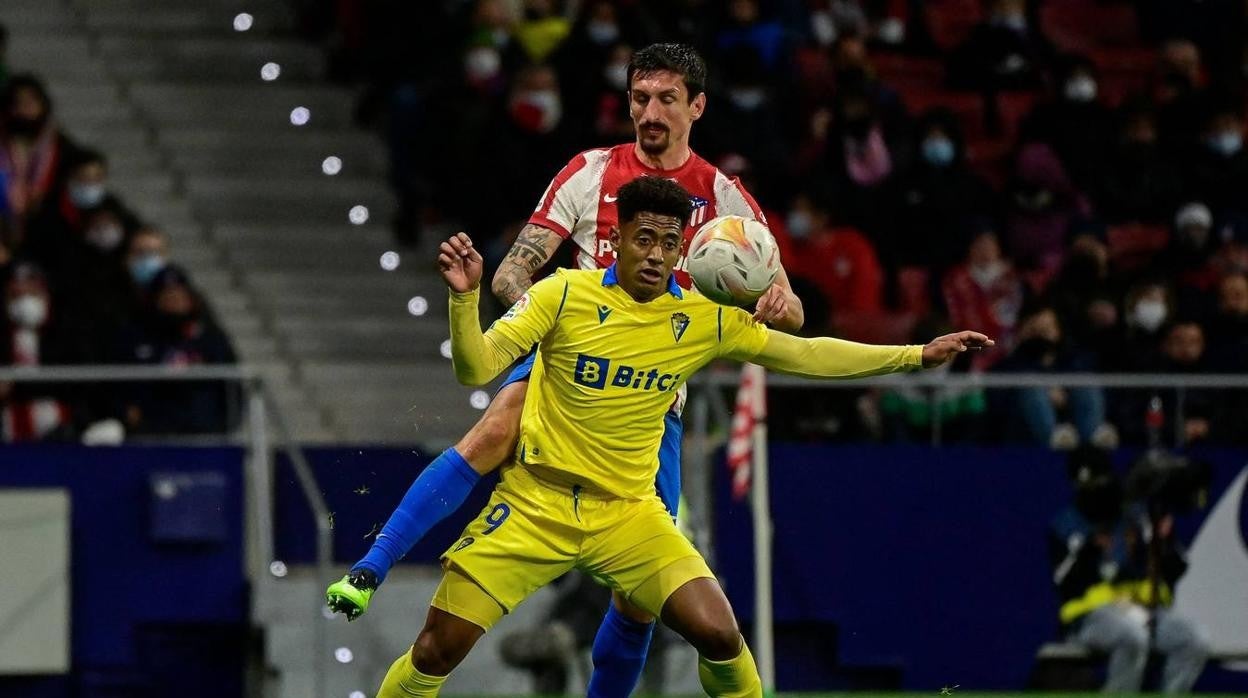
(653, 195)
(681, 59)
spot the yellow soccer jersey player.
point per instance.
(612, 346)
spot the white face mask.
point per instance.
(548, 103)
(800, 224)
(482, 64)
(105, 237)
(616, 75)
(823, 28)
(602, 33)
(28, 310)
(1149, 315)
(987, 274)
(747, 98)
(87, 195)
(1081, 89)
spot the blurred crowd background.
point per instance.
(86, 280)
(1065, 175)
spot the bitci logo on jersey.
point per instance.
(595, 371)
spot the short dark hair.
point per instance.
(681, 59)
(653, 195)
(85, 156)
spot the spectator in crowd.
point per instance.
(1044, 207)
(33, 337)
(1217, 168)
(1073, 121)
(93, 289)
(1147, 307)
(147, 255)
(1179, 91)
(1007, 51)
(58, 230)
(1140, 182)
(938, 196)
(1228, 329)
(33, 151)
(1188, 261)
(542, 29)
(838, 259)
(1058, 417)
(1086, 300)
(986, 290)
(746, 26)
(1098, 550)
(175, 328)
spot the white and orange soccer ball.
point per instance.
(733, 260)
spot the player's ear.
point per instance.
(614, 237)
(698, 106)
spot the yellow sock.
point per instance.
(734, 678)
(406, 681)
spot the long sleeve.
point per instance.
(478, 357)
(825, 357)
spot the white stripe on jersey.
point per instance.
(729, 201)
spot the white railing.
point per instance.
(262, 414)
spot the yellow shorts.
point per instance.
(534, 530)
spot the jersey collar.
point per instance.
(612, 278)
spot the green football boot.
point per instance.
(351, 594)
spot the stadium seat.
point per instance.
(1132, 245)
(951, 21)
(1074, 25)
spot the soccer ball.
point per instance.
(733, 260)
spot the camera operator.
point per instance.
(1100, 555)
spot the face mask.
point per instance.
(602, 33)
(28, 310)
(1081, 89)
(1226, 143)
(87, 195)
(938, 151)
(616, 75)
(1148, 315)
(747, 98)
(800, 224)
(105, 237)
(482, 64)
(548, 106)
(145, 268)
(822, 28)
(987, 274)
(1013, 22)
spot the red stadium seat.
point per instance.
(1076, 25)
(951, 21)
(1132, 245)
(909, 73)
(874, 327)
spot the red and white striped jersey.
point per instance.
(579, 204)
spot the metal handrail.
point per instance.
(963, 381)
(110, 373)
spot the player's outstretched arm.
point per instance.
(478, 357)
(826, 357)
(533, 248)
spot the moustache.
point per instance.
(654, 124)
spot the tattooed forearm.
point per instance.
(531, 250)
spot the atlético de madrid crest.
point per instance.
(680, 322)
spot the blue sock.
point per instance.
(619, 654)
(439, 490)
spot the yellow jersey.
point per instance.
(608, 366)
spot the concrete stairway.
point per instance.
(202, 146)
